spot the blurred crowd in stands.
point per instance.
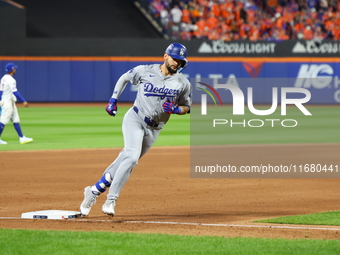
(253, 20)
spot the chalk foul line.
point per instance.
(193, 224)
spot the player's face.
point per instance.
(172, 64)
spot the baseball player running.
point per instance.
(162, 91)
(8, 96)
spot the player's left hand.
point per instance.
(111, 107)
(171, 108)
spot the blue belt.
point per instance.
(149, 122)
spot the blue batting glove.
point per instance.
(111, 107)
(170, 108)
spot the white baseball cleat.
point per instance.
(88, 202)
(2, 142)
(25, 139)
(109, 207)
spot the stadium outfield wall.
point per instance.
(85, 70)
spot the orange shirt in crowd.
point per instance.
(308, 33)
(186, 15)
(195, 13)
(227, 5)
(309, 22)
(281, 22)
(215, 8)
(224, 11)
(288, 16)
(223, 27)
(212, 21)
(237, 11)
(336, 32)
(299, 27)
(329, 25)
(213, 35)
(251, 15)
(254, 33)
(230, 18)
(283, 35)
(244, 29)
(239, 5)
(272, 3)
(201, 24)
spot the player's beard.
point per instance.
(170, 70)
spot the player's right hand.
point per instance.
(111, 107)
(169, 107)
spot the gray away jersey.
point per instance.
(154, 89)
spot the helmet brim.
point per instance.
(179, 57)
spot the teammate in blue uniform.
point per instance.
(162, 90)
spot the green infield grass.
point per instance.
(82, 127)
(91, 127)
(73, 242)
(323, 218)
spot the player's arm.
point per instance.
(184, 109)
(21, 98)
(184, 102)
(111, 107)
(120, 86)
(183, 105)
(132, 76)
(170, 107)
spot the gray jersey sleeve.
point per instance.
(120, 86)
(133, 76)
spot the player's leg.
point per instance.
(2, 127)
(149, 140)
(106, 180)
(16, 123)
(132, 132)
(111, 169)
(136, 146)
(7, 112)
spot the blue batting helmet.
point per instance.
(178, 51)
(9, 67)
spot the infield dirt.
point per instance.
(160, 190)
